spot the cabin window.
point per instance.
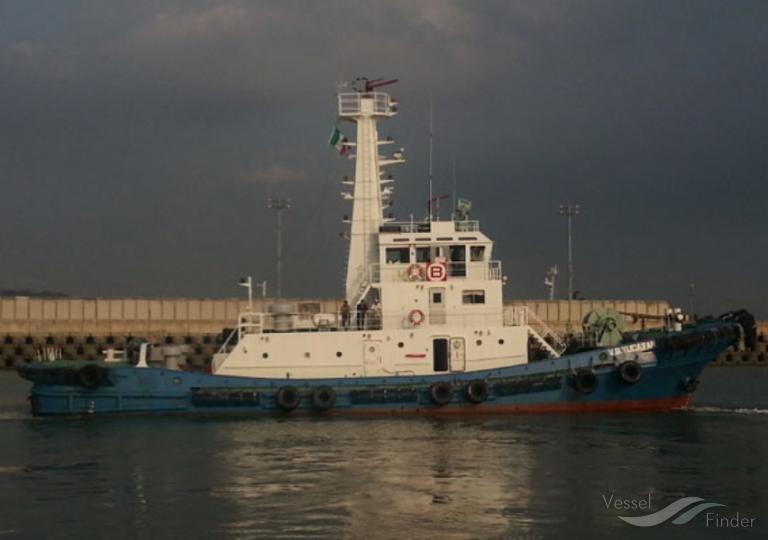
(458, 266)
(397, 255)
(477, 253)
(422, 255)
(458, 254)
(473, 297)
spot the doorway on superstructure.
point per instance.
(458, 354)
(440, 354)
(437, 305)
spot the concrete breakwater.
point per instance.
(85, 327)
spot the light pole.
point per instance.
(569, 211)
(263, 286)
(279, 205)
(550, 280)
(691, 298)
(248, 284)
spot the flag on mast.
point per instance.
(339, 141)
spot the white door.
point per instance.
(372, 358)
(458, 354)
(437, 305)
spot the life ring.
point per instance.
(287, 398)
(630, 372)
(91, 375)
(323, 398)
(690, 384)
(477, 391)
(415, 273)
(440, 393)
(416, 317)
(585, 381)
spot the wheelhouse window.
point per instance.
(477, 253)
(423, 255)
(458, 253)
(458, 266)
(473, 297)
(397, 255)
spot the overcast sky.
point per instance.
(139, 141)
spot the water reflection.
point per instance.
(522, 476)
(315, 478)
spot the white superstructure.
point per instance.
(424, 296)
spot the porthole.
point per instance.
(401, 344)
(307, 355)
(265, 355)
(338, 354)
(479, 342)
(371, 349)
(501, 342)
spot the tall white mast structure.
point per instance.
(366, 107)
(570, 211)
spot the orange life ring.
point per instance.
(415, 272)
(416, 317)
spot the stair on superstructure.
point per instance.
(543, 343)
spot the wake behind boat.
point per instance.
(423, 330)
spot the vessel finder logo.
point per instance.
(679, 512)
(670, 510)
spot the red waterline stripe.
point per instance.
(633, 405)
(415, 355)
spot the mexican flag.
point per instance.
(339, 141)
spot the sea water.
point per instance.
(524, 476)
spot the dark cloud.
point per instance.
(140, 140)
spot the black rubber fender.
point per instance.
(92, 375)
(477, 391)
(689, 385)
(585, 381)
(323, 398)
(441, 393)
(287, 398)
(630, 372)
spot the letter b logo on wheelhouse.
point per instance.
(437, 272)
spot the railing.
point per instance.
(350, 103)
(426, 226)
(466, 226)
(522, 316)
(356, 320)
(406, 227)
(389, 272)
(257, 323)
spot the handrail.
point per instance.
(478, 270)
(224, 345)
(350, 103)
(546, 331)
(426, 226)
(371, 319)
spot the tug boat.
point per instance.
(424, 330)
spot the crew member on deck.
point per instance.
(345, 315)
(362, 309)
(375, 318)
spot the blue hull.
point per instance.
(669, 375)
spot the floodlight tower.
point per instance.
(279, 205)
(569, 211)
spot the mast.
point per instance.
(431, 194)
(365, 107)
